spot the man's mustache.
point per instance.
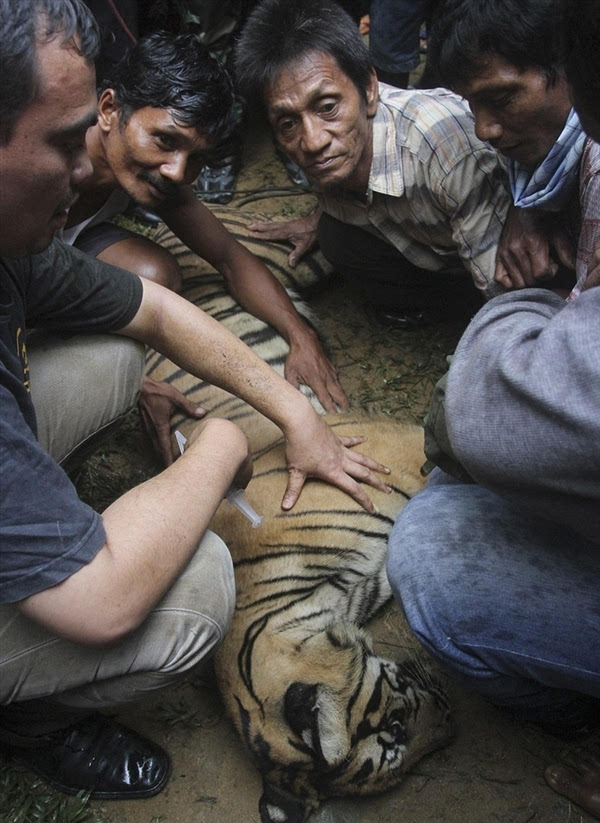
(165, 187)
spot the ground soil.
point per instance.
(493, 770)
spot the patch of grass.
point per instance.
(26, 799)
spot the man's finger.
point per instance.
(502, 276)
(165, 449)
(189, 408)
(352, 488)
(565, 250)
(294, 487)
(337, 393)
(324, 396)
(365, 460)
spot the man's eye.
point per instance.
(285, 126)
(166, 141)
(328, 108)
(501, 102)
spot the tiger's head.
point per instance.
(356, 727)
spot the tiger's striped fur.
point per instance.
(319, 712)
(205, 287)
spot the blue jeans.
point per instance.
(509, 603)
(394, 33)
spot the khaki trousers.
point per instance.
(81, 387)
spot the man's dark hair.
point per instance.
(279, 32)
(581, 43)
(174, 72)
(524, 33)
(23, 25)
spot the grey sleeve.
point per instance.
(523, 404)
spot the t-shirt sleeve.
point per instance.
(69, 291)
(46, 532)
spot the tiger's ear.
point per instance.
(318, 719)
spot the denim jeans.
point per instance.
(394, 33)
(509, 603)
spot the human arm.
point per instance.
(256, 289)
(301, 233)
(529, 238)
(205, 348)
(474, 195)
(522, 404)
(151, 533)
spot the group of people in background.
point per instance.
(487, 185)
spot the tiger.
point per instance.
(320, 714)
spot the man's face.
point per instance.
(46, 160)
(323, 123)
(515, 110)
(151, 155)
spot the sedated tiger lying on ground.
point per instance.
(319, 712)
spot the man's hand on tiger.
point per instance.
(301, 233)
(308, 364)
(158, 403)
(316, 451)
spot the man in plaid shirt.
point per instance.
(410, 200)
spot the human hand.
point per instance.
(524, 251)
(301, 233)
(158, 403)
(307, 363)
(314, 450)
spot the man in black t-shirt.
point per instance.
(100, 609)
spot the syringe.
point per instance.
(234, 496)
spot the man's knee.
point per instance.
(146, 259)
(106, 370)
(194, 616)
(162, 269)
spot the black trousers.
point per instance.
(385, 278)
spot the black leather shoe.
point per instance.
(98, 755)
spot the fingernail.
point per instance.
(199, 410)
(389, 491)
(386, 470)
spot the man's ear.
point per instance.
(372, 94)
(108, 111)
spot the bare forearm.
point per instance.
(256, 289)
(151, 534)
(205, 348)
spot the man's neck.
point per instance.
(102, 177)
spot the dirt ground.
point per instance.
(493, 770)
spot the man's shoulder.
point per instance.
(429, 119)
(424, 107)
